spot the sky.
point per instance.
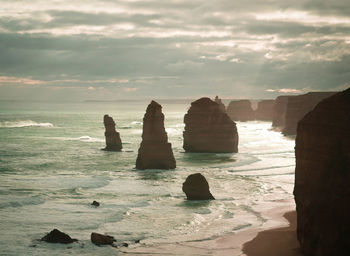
(131, 49)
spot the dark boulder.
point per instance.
(196, 187)
(99, 239)
(56, 236)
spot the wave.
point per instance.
(81, 138)
(25, 123)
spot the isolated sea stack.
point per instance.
(265, 110)
(209, 129)
(322, 178)
(241, 110)
(279, 111)
(299, 106)
(113, 142)
(155, 152)
(196, 187)
(222, 105)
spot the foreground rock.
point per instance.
(56, 236)
(279, 111)
(95, 203)
(209, 129)
(155, 152)
(265, 110)
(322, 178)
(221, 105)
(100, 239)
(196, 187)
(299, 106)
(241, 110)
(113, 141)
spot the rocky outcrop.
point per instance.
(279, 111)
(196, 187)
(241, 110)
(265, 110)
(300, 105)
(56, 236)
(221, 105)
(95, 203)
(322, 178)
(100, 239)
(209, 129)
(113, 142)
(155, 152)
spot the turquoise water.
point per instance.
(52, 168)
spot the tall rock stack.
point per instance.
(264, 110)
(322, 178)
(299, 106)
(155, 152)
(222, 105)
(279, 111)
(113, 142)
(209, 129)
(241, 110)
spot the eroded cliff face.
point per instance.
(219, 101)
(279, 111)
(209, 129)
(155, 152)
(113, 141)
(298, 106)
(241, 110)
(265, 110)
(322, 178)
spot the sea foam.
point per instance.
(25, 123)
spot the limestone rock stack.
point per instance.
(279, 111)
(222, 105)
(196, 187)
(155, 152)
(300, 105)
(113, 142)
(322, 178)
(264, 110)
(241, 110)
(209, 129)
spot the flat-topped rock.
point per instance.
(209, 129)
(279, 111)
(241, 110)
(196, 187)
(113, 141)
(322, 178)
(299, 106)
(155, 152)
(265, 110)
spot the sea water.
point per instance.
(52, 168)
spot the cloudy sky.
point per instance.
(119, 49)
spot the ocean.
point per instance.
(52, 168)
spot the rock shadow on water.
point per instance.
(195, 204)
(208, 158)
(155, 174)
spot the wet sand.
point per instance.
(276, 237)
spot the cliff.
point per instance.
(322, 178)
(113, 142)
(300, 105)
(155, 152)
(264, 110)
(240, 110)
(209, 129)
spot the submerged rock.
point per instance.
(209, 129)
(100, 239)
(56, 236)
(241, 110)
(300, 105)
(264, 110)
(322, 178)
(196, 187)
(95, 203)
(113, 141)
(155, 151)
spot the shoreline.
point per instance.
(277, 236)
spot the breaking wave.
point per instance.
(26, 123)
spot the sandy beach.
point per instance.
(276, 237)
